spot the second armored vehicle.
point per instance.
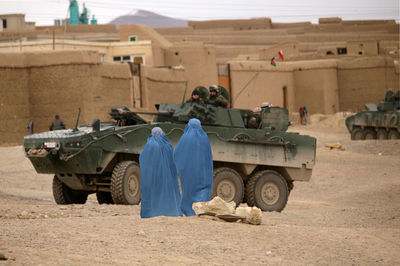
(382, 122)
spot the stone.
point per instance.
(332, 146)
(253, 214)
(216, 206)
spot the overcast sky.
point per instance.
(43, 12)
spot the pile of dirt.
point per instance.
(329, 121)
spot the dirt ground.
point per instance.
(349, 213)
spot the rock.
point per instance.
(253, 214)
(3, 256)
(140, 233)
(216, 206)
(332, 146)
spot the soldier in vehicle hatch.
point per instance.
(216, 99)
(57, 124)
(195, 97)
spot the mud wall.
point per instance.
(293, 84)
(162, 85)
(316, 86)
(36, 86)
(267, 86)
(198, 61)
(239, 24)
(365, 80)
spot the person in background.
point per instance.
(305, 115)
(301, 112)
(57, 124)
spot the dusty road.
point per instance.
(349, 213)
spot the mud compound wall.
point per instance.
(365, 80)
(266, 86)
(289, 84)
(198, 61)
(36, 86)
(316, 86)
(14, 100)
(162, 85)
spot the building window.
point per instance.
(329, 53)
(342, 50)
(138, 59)
(4, 23)
(133, 38)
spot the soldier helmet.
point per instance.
(213, 88)
(195, 92)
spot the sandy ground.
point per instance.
(349, 213)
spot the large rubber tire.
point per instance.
(267, 190)
(66, 195)
(125, 183)
(393, 134)
(369, 134)
(357, 134)
(228, 185)
(382, 134)
(104, 197)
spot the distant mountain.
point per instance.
(150, 19)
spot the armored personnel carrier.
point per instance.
(255, 159)
(377, 122)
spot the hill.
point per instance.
(150, 19)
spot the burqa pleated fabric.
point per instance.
(193, 159)
(158, 178)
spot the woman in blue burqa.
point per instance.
(193, 159)
(158, 178)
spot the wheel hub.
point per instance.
(270, 193)
(226, 190)
(133, 186)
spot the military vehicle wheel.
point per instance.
(369, 133)
(267, 190)
(357, 134)
(104, 197)
(382, 134)
(125, 183)
(66, 195)
(393, 134)
(228, 185)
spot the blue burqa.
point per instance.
(158, 178)
(193, 159)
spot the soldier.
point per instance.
(216, 99)
(195, 97)
(57, 124)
